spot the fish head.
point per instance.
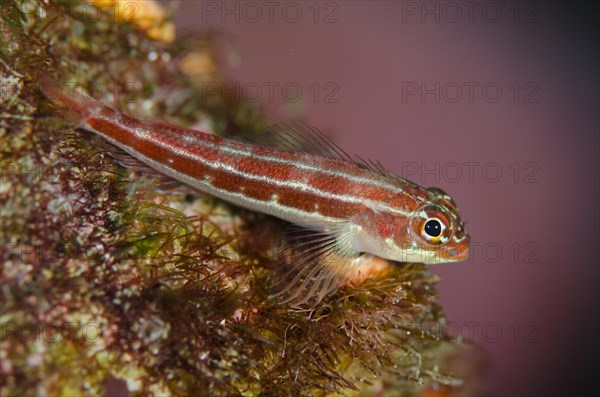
(430, 232)
(435, 232)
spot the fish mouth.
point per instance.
(451, 254)
(458, 254)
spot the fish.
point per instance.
(344, 213)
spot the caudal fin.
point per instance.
(78, 107)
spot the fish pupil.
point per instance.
(433, 228)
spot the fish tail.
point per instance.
(79, 107)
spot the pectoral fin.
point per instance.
(311, 265)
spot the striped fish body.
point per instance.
(302, 188)
(350, 207)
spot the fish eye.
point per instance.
(433, 224)
(433, 229)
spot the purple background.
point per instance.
(371, 53)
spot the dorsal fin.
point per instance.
(297, 136)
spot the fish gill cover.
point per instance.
(114, 285)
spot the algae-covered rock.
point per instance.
(112, 285)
